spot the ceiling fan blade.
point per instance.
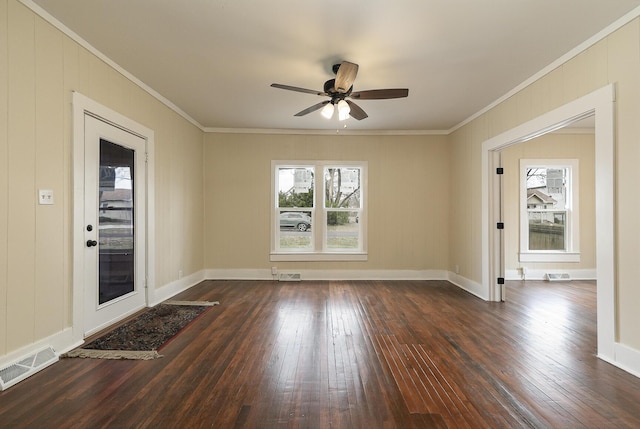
(380, 94)
(295, 88)
(356, 111)
(345, 76)
(312, 108)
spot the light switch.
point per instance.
(45, 196)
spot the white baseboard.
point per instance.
(468, 285)
(63, 341)
(60, 342)
(627, 359)
(265, 274)
(586, 274)
(175, 287)
(240, 274)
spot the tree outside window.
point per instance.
(342, 205)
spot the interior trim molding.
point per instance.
(175, 287)
(347, 132)
(626, 358)
(574, 52)
(470, 286)
(61, 342)
(265, 274)
(82, 42)
(600, 103)
(539, 274)
(83, 105)
(605, 32)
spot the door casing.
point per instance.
(82, 106)
(600, 103)
(97, 315)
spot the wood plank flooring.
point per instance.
(343, 354)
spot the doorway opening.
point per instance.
(600, 104)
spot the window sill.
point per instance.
(549, 257)
(302, 257)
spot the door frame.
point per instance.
(82, 106)
(600, 103)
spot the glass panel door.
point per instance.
(114, 265)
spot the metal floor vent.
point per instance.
(28, 366)
(560, 277)
(289, 277)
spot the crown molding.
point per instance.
(324, 132)
(560, 61)
(82, 42)
(602, 34)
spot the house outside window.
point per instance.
(549, 217)
(319, 211)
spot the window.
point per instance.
(549, 222)
(319, 211)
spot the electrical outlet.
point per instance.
(274, 271)
(180, 274)
(457, 269)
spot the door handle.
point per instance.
(92, 243)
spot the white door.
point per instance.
(114, 224)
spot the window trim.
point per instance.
(319, 214)
(572, 252)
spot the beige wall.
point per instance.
(615, 59)
(558, 146)
(425, 191)
(408, 204)
(39, 69)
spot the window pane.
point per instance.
(295, 187)
(339, 205)
(295, 230)
(343, 230)
(547, 230)
(546, 206)
(116, 222)
(547, 188)
(342, 187)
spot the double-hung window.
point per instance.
(549, 218)
(318, 211)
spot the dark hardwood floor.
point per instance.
(343, 354)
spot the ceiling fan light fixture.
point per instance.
(327, 111)
(343, 110)
(339, 89)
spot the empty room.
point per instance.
(410, 214)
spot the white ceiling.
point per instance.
(215, 59)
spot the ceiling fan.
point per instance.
(340, 90)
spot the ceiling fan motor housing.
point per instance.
(329, 88)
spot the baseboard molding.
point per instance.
(175, 287)
(627, 358)
(64, 341)
(470, 286)
(586, 274)
(265, 274)
(60, 342)
(241, 274)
